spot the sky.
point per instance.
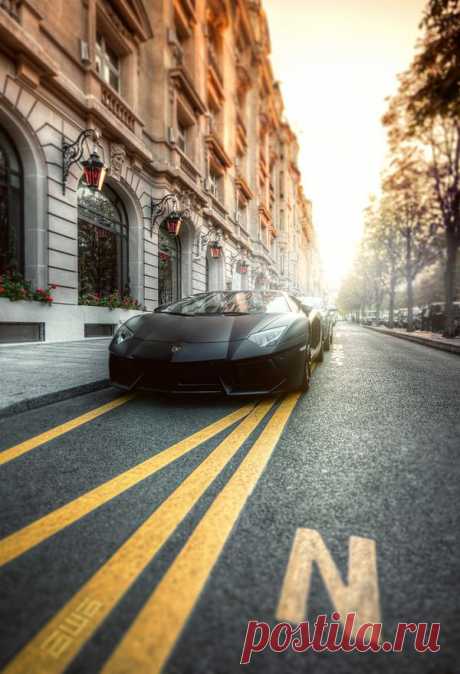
(337, 60)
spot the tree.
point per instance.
(405, 188)
(425, 116)
(388, 239)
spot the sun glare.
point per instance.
(337, 60)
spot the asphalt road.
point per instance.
(160, 568)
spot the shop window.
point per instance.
(102, 243)
(108, 63)
(11, 200)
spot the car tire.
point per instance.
(320, 356)
(305, 383)
(327, 343)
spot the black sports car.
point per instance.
(238, 342)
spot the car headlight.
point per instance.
(122, 334)
(267, 337)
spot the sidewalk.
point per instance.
(32, 375)
(433, 339)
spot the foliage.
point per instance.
(14, 287)
(437, 64)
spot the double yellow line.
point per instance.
(151, 638)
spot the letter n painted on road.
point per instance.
(360, 594)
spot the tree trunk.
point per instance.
(391, 307)
(452, 245)
(409, 282)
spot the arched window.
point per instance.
(169, 263)
(11, 200)
(102, 242)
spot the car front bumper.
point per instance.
(274, 373)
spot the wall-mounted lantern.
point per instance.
(211, 237)
(215, 249)
(94, 171)
(168, 210)
(174, 222)
(242, 267)
(94, 168)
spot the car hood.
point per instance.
(164, 327)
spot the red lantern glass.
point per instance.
(173, 223)
(215, 249)
(94, 171)
(242, 267)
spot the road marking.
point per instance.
(20, 541)
(360, 594)
(151, 638)
(47, 436)
(115, 577)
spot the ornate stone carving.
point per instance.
(117, 159)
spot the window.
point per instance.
(214, 183)
(169, 263)
(182, 137)
(243, 216)
(11, 195)
(107, 63)
(102, 243)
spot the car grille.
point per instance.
(250, 375)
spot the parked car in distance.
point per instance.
(384, 318)
(369, 318)
(432, 317)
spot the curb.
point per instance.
(49, 398)
(450, 348)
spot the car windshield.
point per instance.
(229, 304)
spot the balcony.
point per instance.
(188, 167)
(216, 95)
(213, 64)
(241, 133)
(117, 107)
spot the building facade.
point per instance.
(179, 99)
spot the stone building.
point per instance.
(179, 99)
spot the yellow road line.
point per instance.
(20, 541)
(59, 641)
(37, 440)
(151, 638)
